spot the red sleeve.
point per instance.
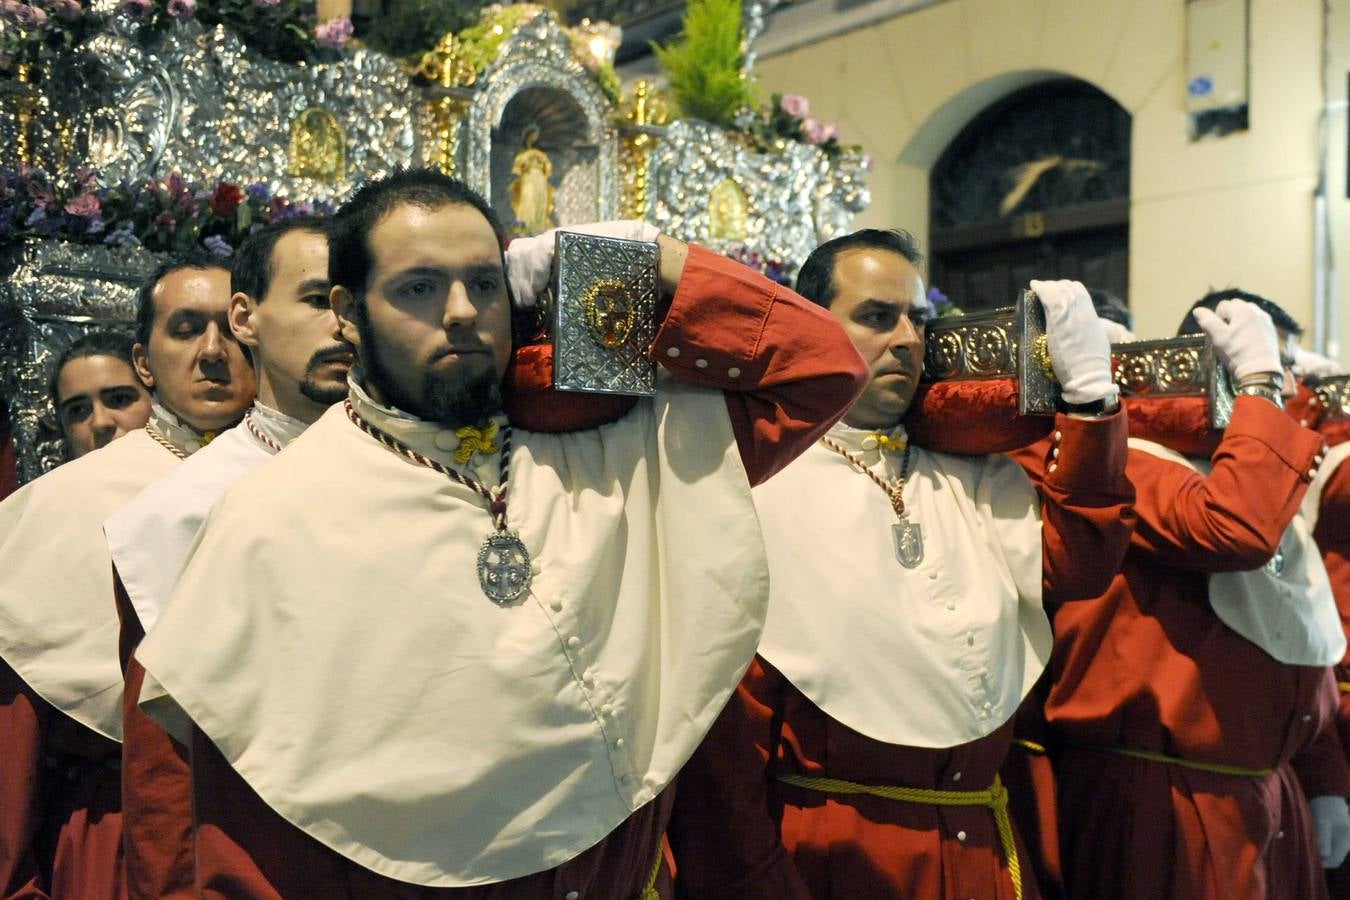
(722, 832)
(1332, 534)
(156, 783)
(788, 369)
(1233, 519)
(1087, 502)
(1321, 766)
(23, 726)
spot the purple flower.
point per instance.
(137, 9)
(218, 245)
(96, 225)
(36, 216)
(795, 105)
(86, 179)
(85, 206)
(936, 296)
(181, 9)
(333, 33)
(259, 192)
(123, 237)
(165, 222)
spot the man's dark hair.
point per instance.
(349, 256)
(95, 343)
(815, 280)
(145, 303)
(1111, 308)
(1276, 312)
(253, 266)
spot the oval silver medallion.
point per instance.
(504, 567)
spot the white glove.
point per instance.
(1117, 333)
(1308, 363)
(1243, 336)
(1332, 816)
(529, 260)
(1079, 350)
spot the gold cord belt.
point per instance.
(995, 798)
(1218, 768)
(650, 892)
(1344, 686)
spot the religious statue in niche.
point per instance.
(531, 192)
(318, 146)
(728, 211)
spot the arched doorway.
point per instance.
(1035, 186)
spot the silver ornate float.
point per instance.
(199, 103)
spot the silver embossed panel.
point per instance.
(1000, 343)
(1174, 367)
(605, 315)
(1334, 392)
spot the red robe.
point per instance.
(788, 373)
(64, 844)
(1149, 666)
(156, 784)
(9, 461)
(1333, 539)
(739, 832)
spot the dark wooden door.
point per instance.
(1036, 186)
(984, 272)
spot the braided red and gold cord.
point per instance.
(496, 497)
(892, 490)
(257, 432)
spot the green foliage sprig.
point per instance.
(703, 65)
(412, 27)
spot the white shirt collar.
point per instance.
(184, 437)
(276, 424)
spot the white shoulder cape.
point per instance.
(329, 634)
(58, 620)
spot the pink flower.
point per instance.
(135, 8)
(795, 105)
(266, 2)
(333, 33)
(85, 206)
(867, 162)
(69, 10)
(181, 9)
(25, 16)
(817, 132)
(165, 222)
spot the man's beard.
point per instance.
(325, 392)
(450, 400)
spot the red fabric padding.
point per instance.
(532, 403)
(1335, 432)
(1304, 407)
(1178, 423)
(972, 418)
